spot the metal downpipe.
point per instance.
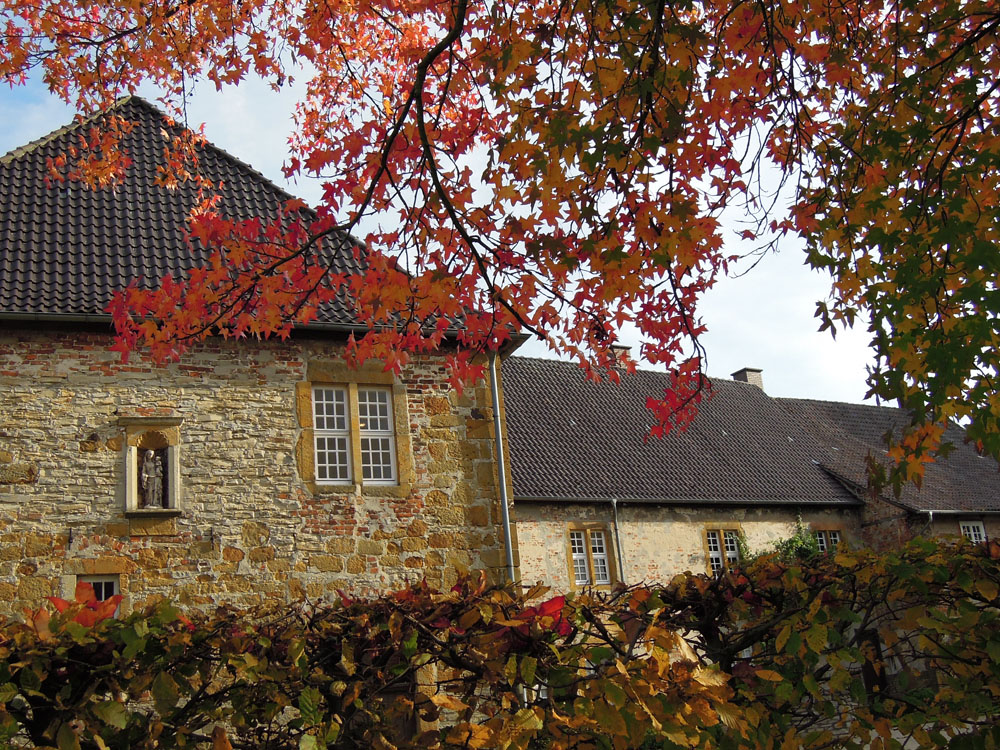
(501, 469)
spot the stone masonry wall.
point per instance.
(250, 526)
(657, 542)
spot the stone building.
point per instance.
(247, 471)
(595, 502)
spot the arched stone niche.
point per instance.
(152, 465)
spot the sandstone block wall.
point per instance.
(250, 525)
(657, 542)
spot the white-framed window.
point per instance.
(974, 531)
(827, 539)
(105, 586)
(375, 428)
(332, 430)
(723, 548)
(591, 564)
(336, 435)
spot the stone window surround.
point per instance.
(721, 530)
(135, 428)
(102, 582)
(75, 568)
(338, 374)
(586, 527)
(825, 529)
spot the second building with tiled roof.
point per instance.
(597, 502)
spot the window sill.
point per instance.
(154, 513)
(366, 490)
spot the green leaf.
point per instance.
(29, 679)
(528, 667)
(7, 692)
(112, 713)
(510, 670)
(297, 652)
(614, 695)
(309, 705)
(66, 738)
(165, 692)
(816, 637)
(308, 742)
(410, 644)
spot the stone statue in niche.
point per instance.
(151, 479)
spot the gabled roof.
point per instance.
(849, 433)
(65, 249)
(575, 440)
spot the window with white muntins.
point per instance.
(332, 426)
(336, 435)
(723, 549)
(375, 428)
(589, 553)
(827, 539)
(974, 531)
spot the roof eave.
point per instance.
(757, 503)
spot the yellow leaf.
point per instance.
(987, 588)
(782, 639)
(470, 735)
(769, 675)
(448, 701)
(469, 619)
(710, 677)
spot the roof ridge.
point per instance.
(79, 120)
(837, 403)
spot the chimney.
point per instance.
(618, 351)
(751, 375)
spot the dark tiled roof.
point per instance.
(574, 439)
(849, 433)
(65, 249)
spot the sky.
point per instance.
(763, 319)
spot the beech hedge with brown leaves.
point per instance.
(854, 650)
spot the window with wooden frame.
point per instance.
(722, 549)
(338, 437)
(827, 539)
(590, 559)
(974, 531)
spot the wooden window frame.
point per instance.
(722, 530)
(587, 529)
